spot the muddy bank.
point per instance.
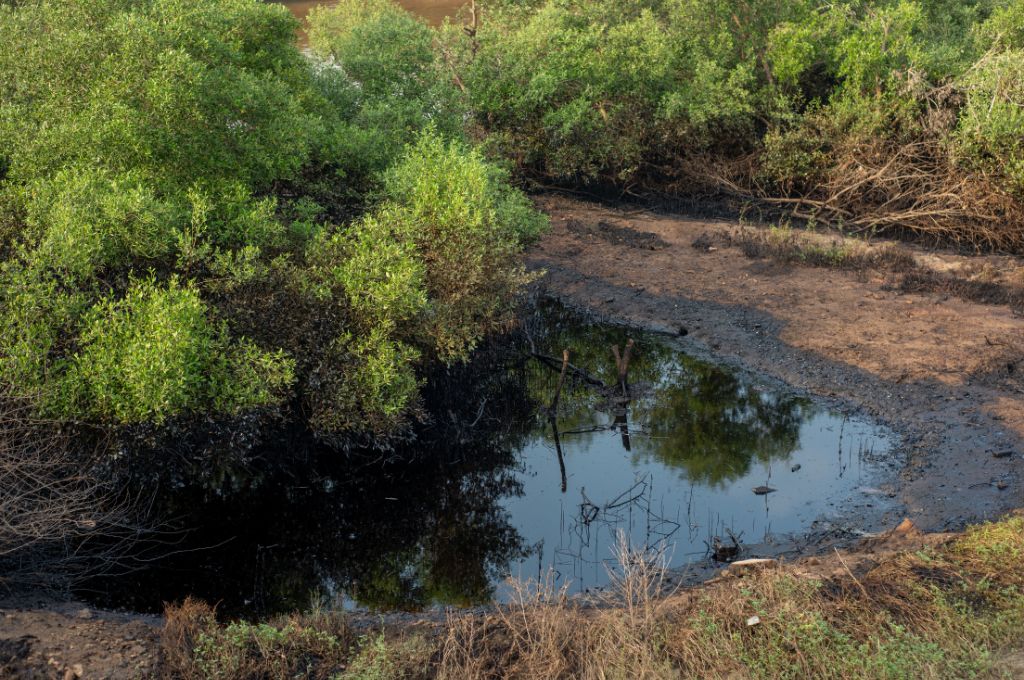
(41, 637)
(938, 369)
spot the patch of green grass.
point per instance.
(996, 544)
(379, 659)
(241, 649)
(803, 639)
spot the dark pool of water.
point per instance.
(490, 490)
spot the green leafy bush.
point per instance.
(136, 136)
(170, 90)
(430, 271)
(154, 353)
(605, 90)
(467, 225)
(990, 136)
(198, 218)
(388, 73)
(573, 90)
(991, 131)
(771, 100)
(85, 221)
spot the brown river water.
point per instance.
(434, 11)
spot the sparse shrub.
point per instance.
(379, 659)
(317, 646)
(197, 647)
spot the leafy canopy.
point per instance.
(198, 218)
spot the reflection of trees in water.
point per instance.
(710, 424)
(689, 414)
(295, 523)
(449, 549)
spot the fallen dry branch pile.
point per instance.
(906, 610)
(876, 188)
(907, 184)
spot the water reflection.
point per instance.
(494, 485)
(689, 414)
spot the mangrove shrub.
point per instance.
(198, 219)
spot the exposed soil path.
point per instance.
(944, 372)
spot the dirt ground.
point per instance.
(41, 638)
(942, 371)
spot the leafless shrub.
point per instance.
(880, 187)
(538, 631)
(58, 520)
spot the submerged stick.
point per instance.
(622, 420)
(622, 364)
(553, 416)
(553, 411)
(624, 370)
(622, 414)
(558, 450)
(555, 364)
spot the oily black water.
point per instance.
(494, 487)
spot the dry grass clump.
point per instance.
(922, 280)
(877, 185)
(791, 246)
(785, 244)
(948, 611)
(543, 634)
